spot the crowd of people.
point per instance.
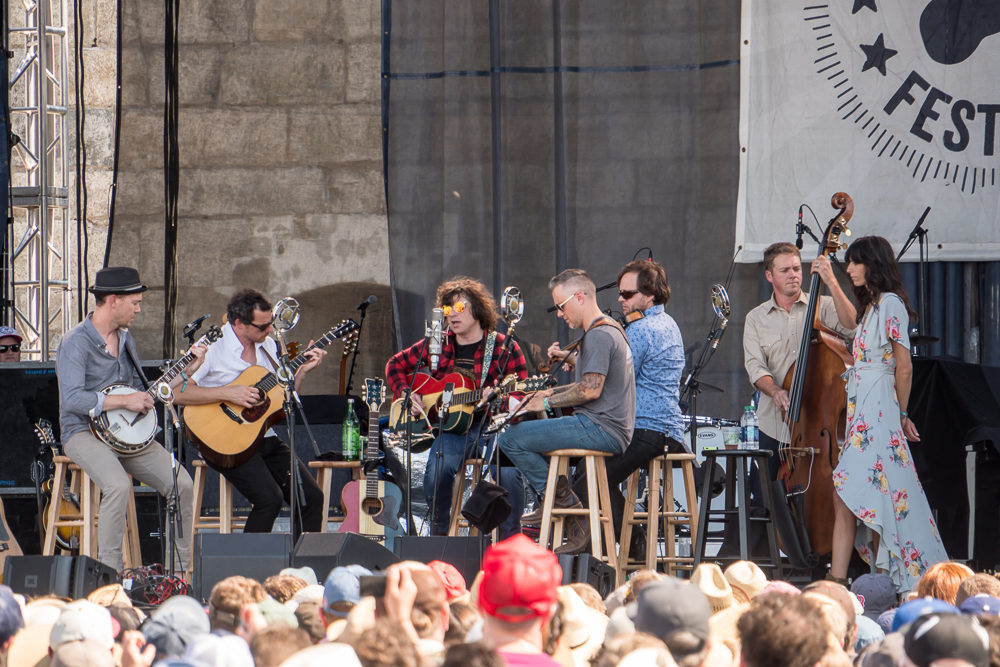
(517, 612)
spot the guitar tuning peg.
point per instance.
(843, 246)
(847, 231)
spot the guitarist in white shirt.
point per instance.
(94, 354)
(264, 476)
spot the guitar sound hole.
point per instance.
(371, 506)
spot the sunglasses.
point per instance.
(16, 347)
(261, 327)
(627, 293)
(559, 306)
(457, 307)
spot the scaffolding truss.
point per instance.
(39, 239)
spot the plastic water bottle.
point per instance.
(350, 434)
(749, 429)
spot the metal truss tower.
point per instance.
(40, 86)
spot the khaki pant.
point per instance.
(110, 471)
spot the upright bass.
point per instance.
(817, 413)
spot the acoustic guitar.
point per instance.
(67, 537)
(371, 505)
(228, 434)
(463, 402)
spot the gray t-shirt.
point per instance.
(605, 351)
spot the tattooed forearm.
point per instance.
(578, 393)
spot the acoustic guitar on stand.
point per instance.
(228, 434)
(371, 505)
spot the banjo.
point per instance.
(129, 432)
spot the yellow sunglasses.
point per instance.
(458, 307)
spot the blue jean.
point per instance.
(526, 442)
(454, 450)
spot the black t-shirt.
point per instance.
(465, 359)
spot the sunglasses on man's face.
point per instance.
(457, 307)
(16, 347)
(627, 293)
(262, 327)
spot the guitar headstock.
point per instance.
(44, 432)
(536, 382)
(213, 334)
(350, 343)
(374, 394)
(342, 329)
(293, 348)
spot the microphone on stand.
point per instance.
(367, 302)
(195, 324)
(798, 230)
(435, 334)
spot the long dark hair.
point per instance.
(881, 273)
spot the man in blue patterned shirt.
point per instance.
(658, 360)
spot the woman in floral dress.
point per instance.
(879, 504)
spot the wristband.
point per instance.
(903, 415)
(184, 375)
(545, 404)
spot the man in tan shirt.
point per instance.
(771, 338)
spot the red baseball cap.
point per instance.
(451, 578)
(519, 581)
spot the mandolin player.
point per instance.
(473, 348)
(92, 355)
(771, 341)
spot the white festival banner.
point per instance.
(894, 102)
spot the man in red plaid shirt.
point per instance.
(471, 313)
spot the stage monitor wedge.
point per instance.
(67, 576)
(325, 551)
(253, 555)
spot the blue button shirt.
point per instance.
(658, 358)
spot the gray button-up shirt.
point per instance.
(84, 366)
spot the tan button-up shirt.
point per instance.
(770, 345)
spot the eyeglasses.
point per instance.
(559, 306)
(627, 293)
(261, 327)
(457, 307)
(16, 347)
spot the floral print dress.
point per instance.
(875, 476)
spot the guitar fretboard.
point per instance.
(270, 381)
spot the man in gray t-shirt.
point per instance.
(602, 398)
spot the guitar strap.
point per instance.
(135, 362)
(274, 363)
(491, 339)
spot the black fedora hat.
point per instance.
(117, 280)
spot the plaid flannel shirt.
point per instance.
(401, 366)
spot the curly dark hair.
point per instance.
(781, 630)
(484, 306)
(651, 279)
(243, 303)
(881, 273)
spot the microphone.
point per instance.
(367, 302)
(798, 230)
(194, 325)
(435, 334)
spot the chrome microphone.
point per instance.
(285, 314)
(435, 334)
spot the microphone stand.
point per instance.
(410, 529)
(172, 426)
(919, 234)
(354, 357)
(286, 376)
(446, 395)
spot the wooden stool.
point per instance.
(737, 502)
(458, 492)
(660, 468)
(599, 514)
(85, 520)
(324, 477)
(225, 522)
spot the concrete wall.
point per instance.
(280, 150)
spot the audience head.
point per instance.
(11, 619)
(311, 619)
(475, 654)
(946, 637)
(230, 600)
(342, 590)
(876, 593)
(980, 605)
(452, 580)
(583, 627)
(782, 631)
(324, 655)
(914, 609)
(82, 620)
(219, 650)
(274, 644)
(173, 626)
(430, 612)
(712, 582)
(462, 617)
(978, 583)
(942, 580)
(305, 573)
(634, 650)
(282, 587)
(10, 342)
(82, 653)
(519, 581)
(590, 596)
(676, 612)
(746, 579)
(847, 602)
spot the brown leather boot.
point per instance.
(577, 536)
(565, 499)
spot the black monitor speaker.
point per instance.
(68, 576)
(253, 555)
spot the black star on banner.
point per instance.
(858, 4)
(877, 54)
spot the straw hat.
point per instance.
(747, 580)
(708, 577)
